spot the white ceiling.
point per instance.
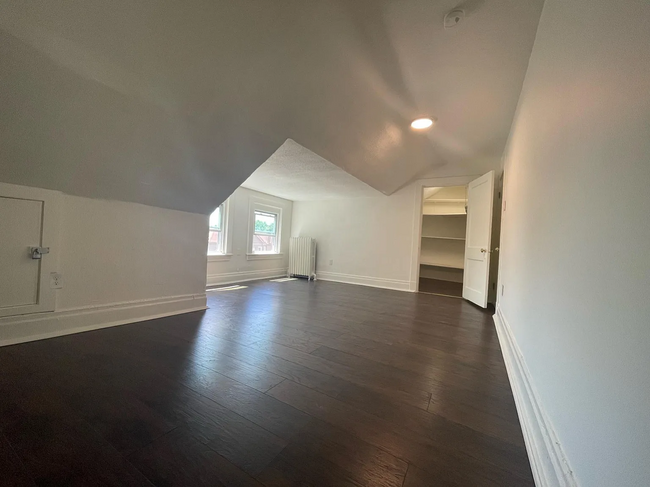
(296, 173)
(175, 104)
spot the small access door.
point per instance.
(480, 199)
(24, 258)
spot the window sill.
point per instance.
(263, 256)
(219, 257)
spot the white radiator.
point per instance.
(302, 257)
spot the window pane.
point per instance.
(215, 219)
(264, 244)
(265, 223)
(215, 242)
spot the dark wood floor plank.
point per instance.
(410, 357)
(434, 379)
(297, 383)
(391, 407)
(392, 380)
(338, 450)
(417, 477)
(12, 471)
(329, 384)
(450, 445)
(59, 449)
(284, 473)
(252, 376)
(278, 366)
(263, 410)
(242, 442)
(438, 286)
(178, 459)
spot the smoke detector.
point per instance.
(453, 18)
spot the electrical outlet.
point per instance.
(502, 289)
(56, 280)
(331, 262)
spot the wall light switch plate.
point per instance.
(56, 280)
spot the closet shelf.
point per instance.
(439, 264)
(446, 200)
(444, 238)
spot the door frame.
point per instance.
(420, 184)
(50, 237)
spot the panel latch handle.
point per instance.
(37, 253)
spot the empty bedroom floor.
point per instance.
(294, 383)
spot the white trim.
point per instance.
(548, 461)
(26, 328)
(264, 256)
(243, 276)
(219, 257)
(227, 227)
(365, 281)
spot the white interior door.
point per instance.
(24, 280)
(480, 198)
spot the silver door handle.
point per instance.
(37, 253)
(483, 251)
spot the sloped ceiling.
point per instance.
(297, 174)
(174, 104)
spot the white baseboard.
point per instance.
(547, 458)
(234, 277)
(38, 326)
(364, 280)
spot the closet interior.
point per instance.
(442, 248)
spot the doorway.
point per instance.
(442, 246)
(455, 240)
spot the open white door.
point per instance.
(480, 198)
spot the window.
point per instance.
(216, 235)
(265, 233)
(264, 230)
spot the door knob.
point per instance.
(483, 251)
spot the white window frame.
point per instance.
(227, 234)
(257, 205)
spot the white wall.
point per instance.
(120, 262)
(113, 252)
(370, 241)
(575, 264)
(239, 266)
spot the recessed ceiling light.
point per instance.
(421, 123)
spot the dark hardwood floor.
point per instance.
(438, 286)
(280, 384)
